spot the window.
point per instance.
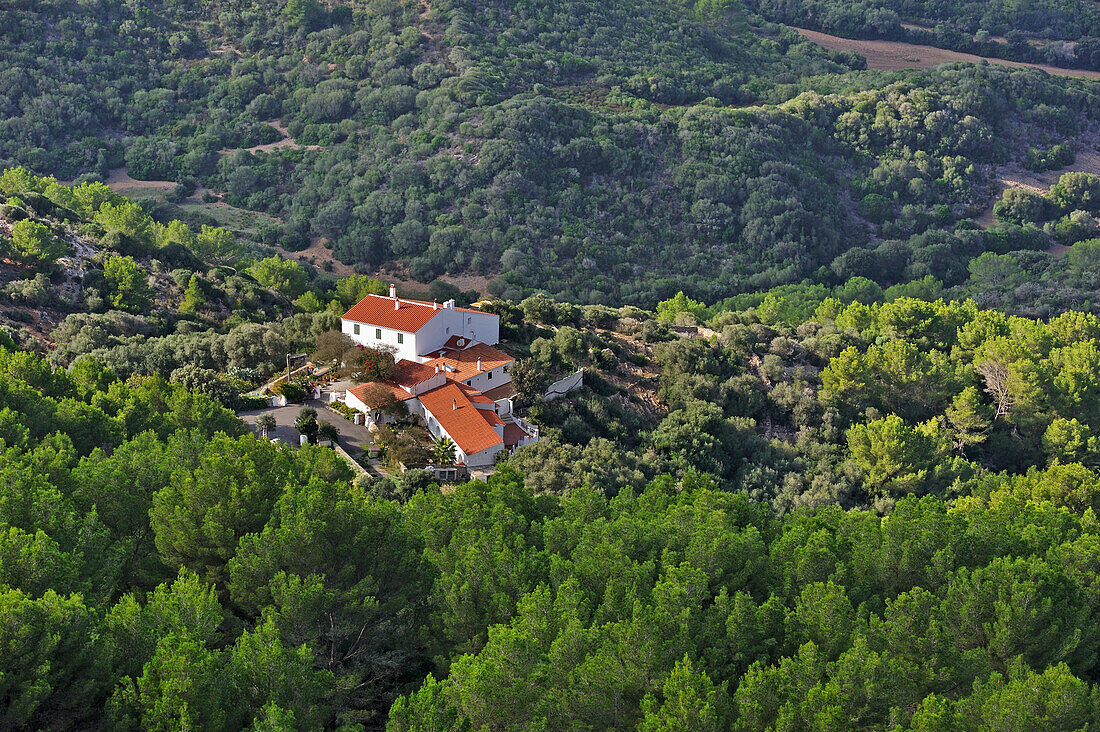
(400, 337)
(469, 320)
(490, 376)
(377, 334)
(356, 326)
(448, 330)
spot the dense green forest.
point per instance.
(567, 148)
(832, 507)
(836, 460)
(811, 507)
(880, 517)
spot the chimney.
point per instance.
(479, 364)
(454, 404)
(393, 291)
(449, 305)
(435, 305)
(437, 368)
(396, 304)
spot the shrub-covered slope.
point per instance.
(603, 152)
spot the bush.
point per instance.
(293, 392)
(12, 213)
(343, 409)
(34, 291)
(33, 243)
(1053, 158)
(246, 402)
(1021, 206)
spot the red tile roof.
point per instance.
(467, 425)
(370, 390)
(376, 310)
(500, 392)
(464, 361)
(471, 393)
(457, 341)
(410, 373)
(411, 316)
(513, 433)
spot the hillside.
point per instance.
(547, 146)
(166, 569)
(835, 462)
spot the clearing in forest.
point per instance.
(1015, 175)
(120, 182)
(893, 55)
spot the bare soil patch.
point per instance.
(317, 254)
(1058, 250)
(1015, 175)
(480, 283)
(120, 181)
(893, 55)
(286, 141)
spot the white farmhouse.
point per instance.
(414, 328)
(448, 373)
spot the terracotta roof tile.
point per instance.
(376, 310)
(366, 391)
(410, 373)
(471, 393)
(513, 433)
(467, 425)
(457, 341)
(503, 391)
(464, 361)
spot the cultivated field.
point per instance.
(892, 55)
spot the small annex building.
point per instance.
(445, 365)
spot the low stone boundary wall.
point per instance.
(351, 461)
(561, 387)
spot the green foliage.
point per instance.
(1021, 206)
(353, 288)
(671, 310)
(1077, 192)
(303, 13)
(34, 244)
(162, 568)
(1031, 33)
(216, 246)
(594, 164)
(282, 275)
(128, 219)
(127, 284)
(49, 674)
(851, 508)
(193, 297)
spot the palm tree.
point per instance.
(266, 424)
(443, 451)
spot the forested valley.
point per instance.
(565, 148)
(806, 508)
(836, 459)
